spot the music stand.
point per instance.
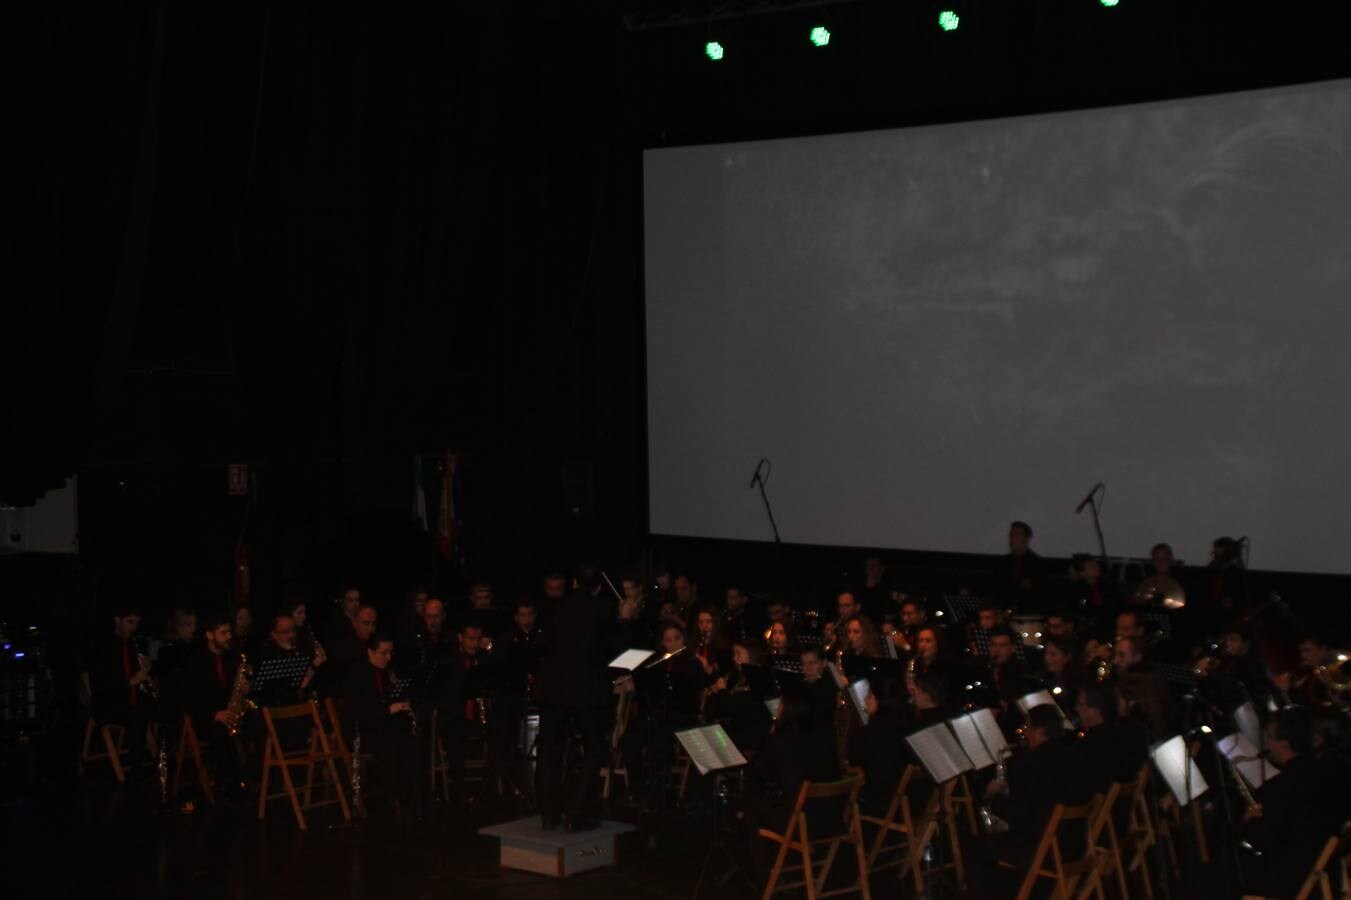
(711, 750)
(288, 670)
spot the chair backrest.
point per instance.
(1336, 847)
(845, 791)
(1106, 803)
(334, 710)
(295, 711)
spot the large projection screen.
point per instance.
(933, 331)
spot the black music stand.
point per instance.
(712, 751)
(280, 670)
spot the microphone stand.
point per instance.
(759, 481)
(1097, 527)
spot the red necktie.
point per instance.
(127, 670)
(220, 670)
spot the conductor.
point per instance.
(573, 694)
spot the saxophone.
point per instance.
(239, 702)
(1244, 793)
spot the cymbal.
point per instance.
(1162, 591)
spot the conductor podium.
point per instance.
(526, 846)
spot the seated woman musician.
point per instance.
(737, 699)
(710, 648)
(1061, 672)
(669, 694)
(384, 724)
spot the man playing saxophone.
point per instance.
(210, 682)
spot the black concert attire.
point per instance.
(745, 624)
(208, 682)
(741, 706)
(879, 749)
(668, 693)
(114, 700)
(278, 693)
(1298, 815)
(387, 736)
(171, 664)
(1111, 754)
(344, 650)
(773, 780)
(458, 688)
(1145, 687)
(1020, 579)
(1008, 683)
(823, 698)
(573, 692)
(876, 601)
(1038, 780)
(1250, 672)
(719, 660)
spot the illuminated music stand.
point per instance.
(712, 751)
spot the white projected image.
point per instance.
(931, 332)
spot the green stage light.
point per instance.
(1109, 2)
(820, 36)
(949, 20)
(713, 50)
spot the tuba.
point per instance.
(1335, 673)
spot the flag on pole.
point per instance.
(448, 517)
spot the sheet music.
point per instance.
(939, 752)
(891, 645)
(710, 749)
(630, 659)
(1173, 762)
(980, 737)
(836, 674)
(858, 693)
(1042, 698)
(773, 704)
(1248, 760)
(1248, 725)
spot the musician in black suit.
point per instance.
(208, 684)
(1048, 773)
(117, 671)
(1022, 573)
(573, 690)
(383, 722)
(796, 751)
(879, 747)
(822, 694)
(1112, 750)
(1297, 812)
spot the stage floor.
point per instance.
(66, 838)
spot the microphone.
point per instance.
(1089, 499)
(755, 478)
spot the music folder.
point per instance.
(710, 749)
(1247, 760)
(938, 751)
(1043, 698)
(858, 698)
(980, 737)
(1175, 764)
(630, 659)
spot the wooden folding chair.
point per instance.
(342, 751)
(1336, 848)
(1065, 873)
(190, 749)
(1140, 834)
(111, 736)
(959, 794)
(317, 752)
(917, 831)
(615, 764)
(1103, 847)
(797, 838)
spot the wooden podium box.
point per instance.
(558, 854)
